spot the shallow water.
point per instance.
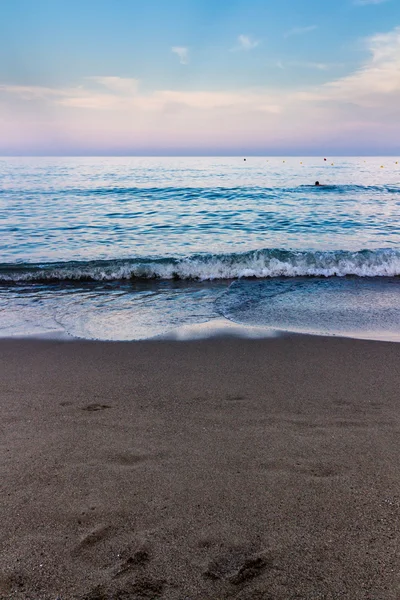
(130, 248)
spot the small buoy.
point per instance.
(381, 166)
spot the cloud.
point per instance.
(366, 2)
(306, 65)
(183, 54)
(378, 81)
(125, 86)
(116, 112)
(246, 42)
(118, 93)
(300, 30)
(370, 85)
(31, 92)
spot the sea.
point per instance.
(130, 248)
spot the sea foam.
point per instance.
(264, 263)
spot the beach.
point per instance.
(221, 468)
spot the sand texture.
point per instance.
(240, 469)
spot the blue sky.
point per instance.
(199, 77)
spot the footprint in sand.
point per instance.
(235, 398)
(237, 569)
(95, 407)
(93, 537)
(138, 559)
(129, 460)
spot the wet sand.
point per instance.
(225, 468)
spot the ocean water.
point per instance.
(134, 248)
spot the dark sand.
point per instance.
(217, 469)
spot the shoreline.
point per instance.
(204, 469)
(218, 329)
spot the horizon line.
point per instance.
(244, 155)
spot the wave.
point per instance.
(201, 191)
(264, 263)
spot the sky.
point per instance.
(199, 77)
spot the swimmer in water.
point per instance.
(317, 183)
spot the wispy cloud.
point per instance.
(246, 42)
(125, 86)
(378, 81)
(365, 2)
(183, 53)
(319, 66)
(370, 85)
(363, 105)
(300, 30)
(114, 96)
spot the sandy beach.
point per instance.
(225, 468)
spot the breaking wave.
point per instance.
(258, 263)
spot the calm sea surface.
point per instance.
(132, 248)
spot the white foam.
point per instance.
(259, 263)
(217, 328)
